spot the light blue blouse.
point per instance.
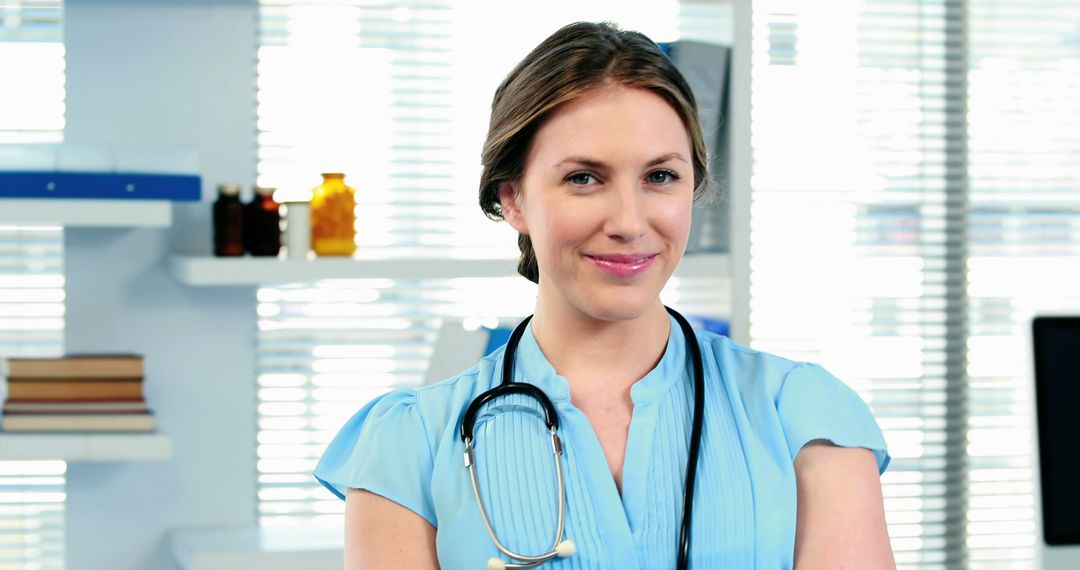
(759, 412)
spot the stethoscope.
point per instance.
(563, 548)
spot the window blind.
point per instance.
(31, 274)
(397, 95)
(31, 324)
(913, 204)
(1023, 240)
(32, 65)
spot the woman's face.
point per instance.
(606, 199)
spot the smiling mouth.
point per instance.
(623, 265)
(623, 258)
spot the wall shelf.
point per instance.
(253, 271)
(86, 447)
(211, 271)
(92, 213)
(267, 548)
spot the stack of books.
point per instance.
(98, 393)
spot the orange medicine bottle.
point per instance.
(333, 216)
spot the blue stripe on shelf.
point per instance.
(105, 185)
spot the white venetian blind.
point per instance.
(1023, 252)
(31, 274)
(371, 90)
(32, 65)
(397, 95)
(31, 324)
(914, 202)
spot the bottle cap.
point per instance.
(228, 189)
(333, 175)
(265, 190)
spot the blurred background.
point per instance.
(900, 197)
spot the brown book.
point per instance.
(77, 366)
(70, 379)
(78, 423)
(81, 390)
(58, 407)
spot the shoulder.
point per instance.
(388, 446)
(465, 384)
(803, 399)
(753, 373)
(439, 405)
(424, 412)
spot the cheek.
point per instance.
(562, 224)
(673, 219)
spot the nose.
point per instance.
(626, 219)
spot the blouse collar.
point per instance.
(532, 366)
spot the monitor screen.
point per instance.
(1057, 395)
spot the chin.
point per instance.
(618, 306)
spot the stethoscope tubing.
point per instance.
(509, 386)
(534, 560)
(683, 560)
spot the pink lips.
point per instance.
(623, 265)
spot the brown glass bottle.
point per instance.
(262, 224)
(228, 222)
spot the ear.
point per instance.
(510, 203)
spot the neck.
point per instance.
(600, 357)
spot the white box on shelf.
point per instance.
(155, 160)
(83, 159)
(98, 158)
(28, 157)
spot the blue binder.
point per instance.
(103, 185)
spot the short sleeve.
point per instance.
(383, 449)
(814, 404)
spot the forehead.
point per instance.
(612, 123)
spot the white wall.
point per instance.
(167, 72)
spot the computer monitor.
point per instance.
(1056, 344)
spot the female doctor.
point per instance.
(658, 446)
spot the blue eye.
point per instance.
(580, 178)
(661, 177)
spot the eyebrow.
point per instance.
(591, 163)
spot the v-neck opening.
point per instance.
(621, 507)
(611, 505)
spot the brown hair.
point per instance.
(576, 59)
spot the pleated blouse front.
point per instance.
(759, 411)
